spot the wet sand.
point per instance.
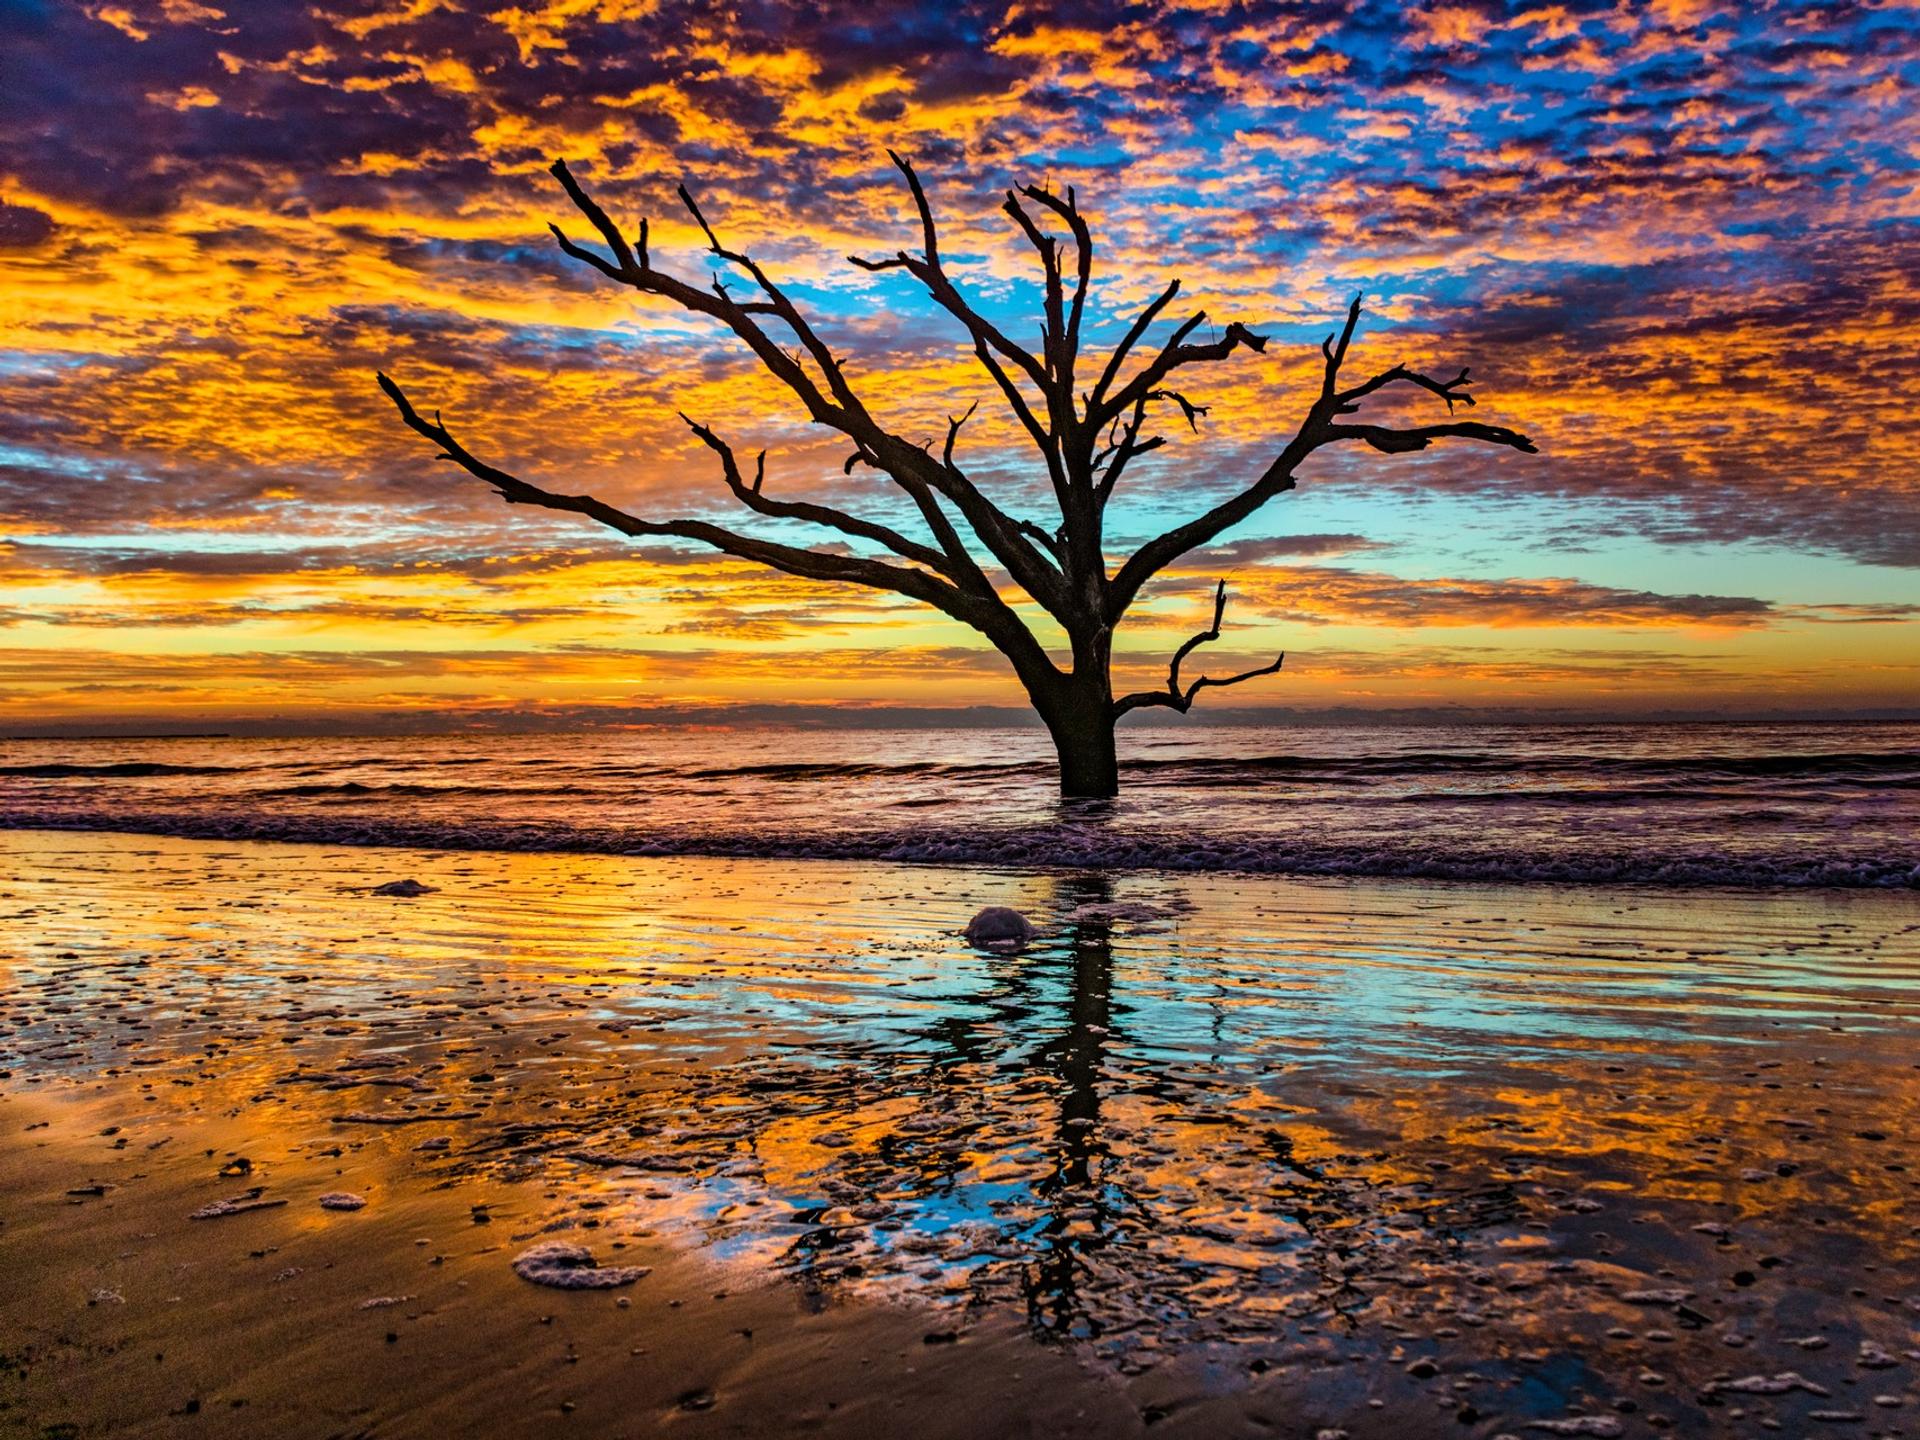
(1215, 1156)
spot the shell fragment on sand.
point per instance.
(572, 1267)
(236, 1205)
(1784, 1383)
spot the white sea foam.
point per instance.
(572, 1267)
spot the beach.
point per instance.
(959, 721)
(1218, 1154)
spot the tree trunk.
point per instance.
(1081, 722)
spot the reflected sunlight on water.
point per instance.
(1200, 1112)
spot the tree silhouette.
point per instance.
(1085, 437)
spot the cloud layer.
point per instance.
(1676, 242)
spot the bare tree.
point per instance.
(1086, 437)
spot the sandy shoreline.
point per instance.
(1256, 1157)
(406, 1320)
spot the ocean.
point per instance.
(1748, 806)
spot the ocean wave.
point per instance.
(1043, 847)
(117, 770)
(1626, 797)
(1899, 769)
(802, 770)
(1879, 767)
(323, 789)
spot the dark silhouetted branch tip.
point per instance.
(1192, 411)
(686, 199)
(954, 422)
(624, 266)
(1173, 697)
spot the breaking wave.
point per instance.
(1066, 846)
(1753, 807)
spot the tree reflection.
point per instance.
(1013, 1071)
(1081, 1202)
(1023, 1133)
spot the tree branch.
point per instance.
(1069, 212)
(954, 422)
(824, 515)
(1173, 697)
(811, 564)
(1336, 353)
(629, 263)
(1111, 462)
(990, 345)
(1398, 442)
(1053, 332)
(929, 271)
(1127, 342)
(1057, 348)
(1176, 354)
(909, 467)
(1453, 391)
(1318, 429)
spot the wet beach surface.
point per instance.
(1217, 1155)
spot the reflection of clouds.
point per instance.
(1280, 1120)
(1677, 242)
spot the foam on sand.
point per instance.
(572, 1267)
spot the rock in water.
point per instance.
(406, 888)
(342, 1200)
(999, 928)
(572, 1267)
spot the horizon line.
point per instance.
(806, 717)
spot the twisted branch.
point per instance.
(1173, 697)
(1317, 430)
(794, 560)
(1173, 356)
(906, 464)
(824, 515)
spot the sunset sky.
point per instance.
(1678, 244)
